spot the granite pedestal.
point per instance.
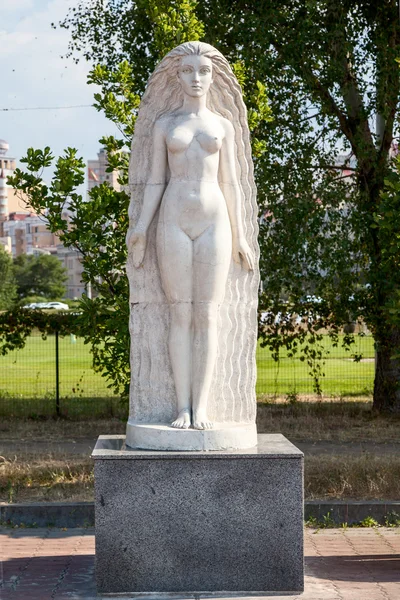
(198, 522)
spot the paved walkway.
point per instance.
(52, 564)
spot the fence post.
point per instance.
(57, 378)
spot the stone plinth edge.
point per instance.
(223, 436)
(196, 595)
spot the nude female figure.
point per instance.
(193, 181)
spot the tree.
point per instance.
(42, 275)
(329, 68)
(97, 226)
(8, 288)
(321, 236)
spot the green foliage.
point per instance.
(392, 519)
(97, 227)
(329, 67)
(291, 166)
(41, 275)
(326, 522)
(8, 288)
(118, 99)
(292, 397)
(174, 22)
(154, 26)
(17, 325)
(312, 522)
(369, 522)
(386, 224)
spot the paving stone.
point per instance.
(364, 576)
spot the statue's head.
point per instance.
(195, 75)
(195, 69)
(194, 65)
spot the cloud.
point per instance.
(13, 6)
(35, 75)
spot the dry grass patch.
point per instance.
(366, 477)
(46, 479)
(300, 418)
(56, 430)
(335, 420)
(50, 478)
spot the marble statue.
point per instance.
(192, 258)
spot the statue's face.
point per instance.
(195, 75)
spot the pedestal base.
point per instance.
(223, 436)
(199, 522)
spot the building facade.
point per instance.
(22, 231)
(97, 172)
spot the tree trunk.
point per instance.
(387, 374)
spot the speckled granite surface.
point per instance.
(185, 522)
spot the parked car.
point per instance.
(55, 305)
(279, 317)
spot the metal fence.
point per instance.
(56, 377)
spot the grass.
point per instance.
(59, 430)
(334, 420)
(367, 477)
(31, 372)
(27, 382)
(70, 408)
(50, 478)
(286, 404)
(58, 476)
(46, 478)
(342, 375)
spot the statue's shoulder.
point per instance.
(166, 119)
(226, 125)
(164, 123)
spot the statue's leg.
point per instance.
(174, 252)
(211, 260)
(180, 341)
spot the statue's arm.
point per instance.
(136, 237)
(156, 183)
(233, 196)
(229, 182)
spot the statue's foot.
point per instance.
(183, 420)
(200, 421)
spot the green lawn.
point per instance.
(30, 373)
(343, 376)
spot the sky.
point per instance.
(34, 74)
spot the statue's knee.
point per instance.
(181, 314)
(205, 315)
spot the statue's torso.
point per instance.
(193, 199)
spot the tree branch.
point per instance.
(390, 99)
(337, 167)
(322, 94)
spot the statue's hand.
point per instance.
(136, 240)
(241, 250)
